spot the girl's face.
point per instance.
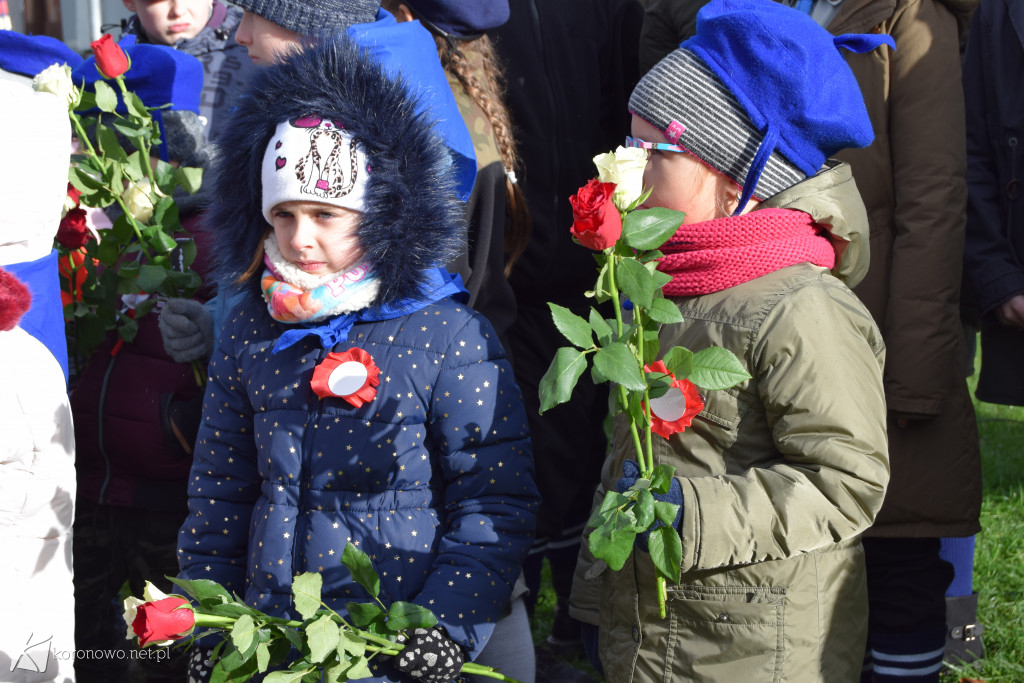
(678, 181)
(318, 238)
(168, 21)
(265, 40)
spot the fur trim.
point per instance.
(15, 300)
(413, 219)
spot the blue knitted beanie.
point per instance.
(767, 79)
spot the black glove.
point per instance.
(430, 655)
(630, 473)
(200, 665)
(187, 330)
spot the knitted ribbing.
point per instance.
(714, 255)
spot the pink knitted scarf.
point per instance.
(725, 252)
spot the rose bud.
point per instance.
(111, 61)
(159, 622)
(596, 222)
(73, 231)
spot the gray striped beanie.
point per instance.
(685, 99)
(312, 17)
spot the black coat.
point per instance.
(994, 253)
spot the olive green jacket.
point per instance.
(780, 475)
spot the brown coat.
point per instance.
(912, 182)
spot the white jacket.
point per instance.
(37, 453)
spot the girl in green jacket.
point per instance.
(777, 477)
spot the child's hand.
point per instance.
(430, 655)
(630, 473)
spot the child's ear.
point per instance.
(130, 5)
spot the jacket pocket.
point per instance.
(725, 633)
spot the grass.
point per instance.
(999, 553)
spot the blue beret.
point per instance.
(28, 55)
(460, 19)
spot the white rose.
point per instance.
(138, 202)
(56, 79)
(625, 168)
(131, 609)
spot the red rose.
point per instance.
(73, 231)
(596, 222)
(74, 193)
(162, 620)
(111, 61)
(674, 410)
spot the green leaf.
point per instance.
(717, 368)
(613, 540)
(405, 615)
(291, 636)
(665, 512)
(151, 278)
(286, 676)
(602, 330)
(644, 510)
(135, 106)
(262, 657)
(635, 409)
(190, 178)
(84, 182)
(573, 327)
(202, 590)
(362, 570)
(612, 501)
(679, 361)
(306, 589)
(651, 228)
(661, 478)
(322, 637)
(132, 130)
(362, 613)
(133, 168)
(635, 282)
(165, 174)
(128, 329)
(660, 279)
(351, 644)
(243, 636)
(652, 341)
(558, 382)
(106, 98)
(86, 100)
(603, 287)
(109, 144)
(618, 364)
(359, 669)
(662, 310)
(666, 552)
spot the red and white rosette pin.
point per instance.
(674, 410)
(351, 375)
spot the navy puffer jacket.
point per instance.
(433, 478)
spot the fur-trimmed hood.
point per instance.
(413, 220)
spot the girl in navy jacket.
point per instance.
(353, 397)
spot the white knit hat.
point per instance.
(314, 160)
(36, 136)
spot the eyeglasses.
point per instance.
(664, 146)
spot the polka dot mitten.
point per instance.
(430, 655)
